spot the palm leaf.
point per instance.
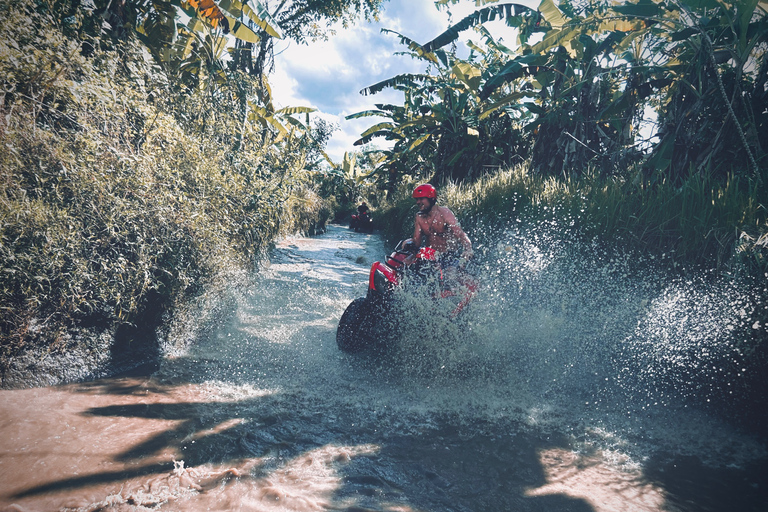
(514, 69)
(388, 107)
(555, 38)
(296, 110)
(242, 32)
(492, 43)
(503, 102)
(552, 14)
(295, 122)
(334, 166)
(376, 128)
(641, 9)
(418, 142)
(348, 164)
(472, 46)
(417, 48)
(424, 122)
(457, 155)
(478, 17)
(276, 124)
(184, 42)
(406, 80)
(258, 14)
(468, 74)
(367, 113)
(387, 134)
(211, 12)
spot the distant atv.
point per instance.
(367, 322)
(361, 222)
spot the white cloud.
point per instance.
(329, 75)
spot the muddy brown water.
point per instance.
(262, 412)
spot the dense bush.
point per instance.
(114, 205)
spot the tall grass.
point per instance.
(703, 222)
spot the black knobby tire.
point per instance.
(355, 327)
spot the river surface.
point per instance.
(564, 389)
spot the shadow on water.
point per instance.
(443, 467)
(691, 485)
(445, 463)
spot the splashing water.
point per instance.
(577, 379)
(567, 333)
(563, 334)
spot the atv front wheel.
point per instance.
(355, 327)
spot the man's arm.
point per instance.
(461, 236)
(417, 232)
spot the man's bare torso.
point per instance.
(436, 230)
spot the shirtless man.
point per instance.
(437, 227)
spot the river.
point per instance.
(566, 390)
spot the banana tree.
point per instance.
(582, 91)
(700, 63)
(450, 122)
(405, 156)
(491, 104)
(568, 84)
(276, 124)
(444, 129)
(713, 114)
(196, 49)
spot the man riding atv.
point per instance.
(432, 261)
(362, 221)
(436, 227)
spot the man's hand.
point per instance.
(466, 256)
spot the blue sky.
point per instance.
(329, 75)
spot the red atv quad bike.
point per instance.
(361, 222)
(363, 324)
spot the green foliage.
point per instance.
(445, 129)
(299, 20)
(578, 97)
(703, 222)
(570, 104)
(305, 20)
(118, 200)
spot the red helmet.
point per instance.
(425, 190)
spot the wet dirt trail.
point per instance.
(264, 413)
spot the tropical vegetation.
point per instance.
(142, 159)
(657, 107)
